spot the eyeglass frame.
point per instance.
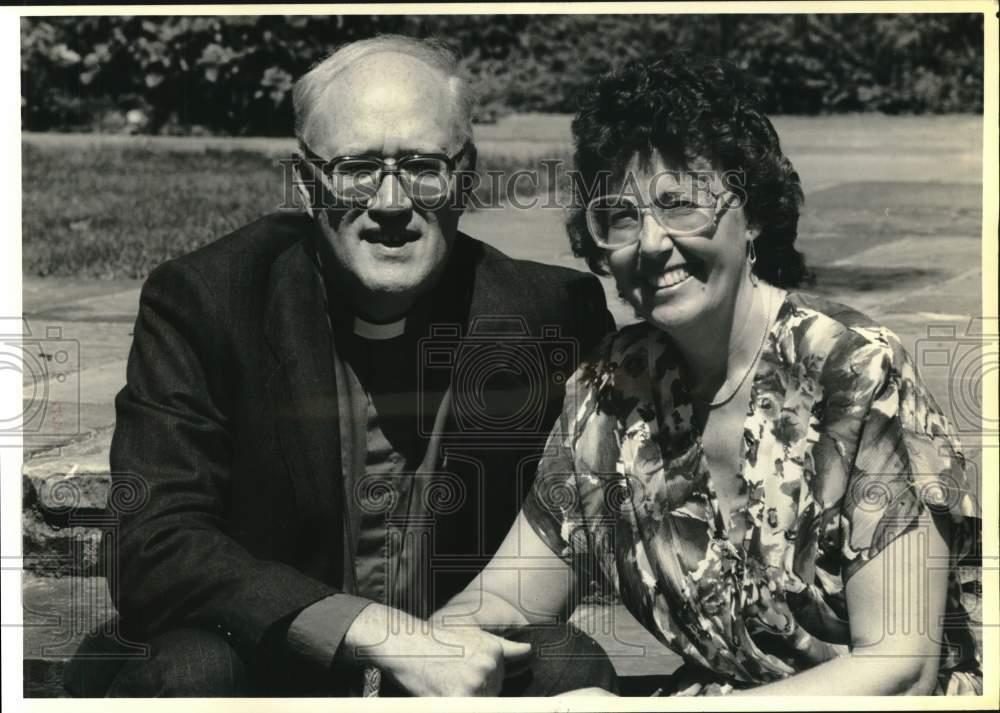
(716, 217)
(451, 162)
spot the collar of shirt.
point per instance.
(379, 332)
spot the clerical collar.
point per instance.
(371, 330)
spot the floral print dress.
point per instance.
(842, 449)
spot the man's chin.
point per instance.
(391, 287)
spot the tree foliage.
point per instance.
(233, 75)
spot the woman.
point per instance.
(758, 473)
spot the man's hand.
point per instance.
(590, 691)
(428, 660)
(451, 663)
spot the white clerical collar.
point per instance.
(371, 330)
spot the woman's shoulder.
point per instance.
(842, 354)
(626, 344)
(820, 314)
(620, 369)
(814, 328)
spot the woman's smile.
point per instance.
(671, 278)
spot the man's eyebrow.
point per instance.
(402, 151)
(412, 150)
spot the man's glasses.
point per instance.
(615, 221)
(427, 178)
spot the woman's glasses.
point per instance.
(427, 178)
(615, 221)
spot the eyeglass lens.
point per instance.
(423, 178)
(618, 221)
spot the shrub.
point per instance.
(233, 74)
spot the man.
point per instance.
(294, 408)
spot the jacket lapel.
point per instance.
(303, 394)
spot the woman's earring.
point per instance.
(752, 260)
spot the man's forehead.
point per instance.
(385, 93)
(390, 69)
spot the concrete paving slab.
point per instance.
(39, 294)
(65, 346)
(120, 306)
(823, 170)
(65, 424)
(950, 253)
(100, 384)
(960, 295)
(67, 406)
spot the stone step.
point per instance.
(58, 551)
(65, 496)
(58, 612)
(73, 478)
(43, 679)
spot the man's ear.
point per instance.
(303, 184)
(471, 157)
(467, 180)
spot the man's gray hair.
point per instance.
(310, 86)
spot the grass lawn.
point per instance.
(113, 212)
(119, 213)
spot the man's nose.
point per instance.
(390, 200)
(654, 240)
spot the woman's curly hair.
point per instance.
(688, 108)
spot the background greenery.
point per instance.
(233, 75)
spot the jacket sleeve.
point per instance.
(170, 561)
(594, 320)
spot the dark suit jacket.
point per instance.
(226, 454)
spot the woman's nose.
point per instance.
(653, 237)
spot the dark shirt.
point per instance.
(387, 407)
(385, 462)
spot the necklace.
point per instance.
(719, 401)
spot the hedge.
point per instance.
(233, 75)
